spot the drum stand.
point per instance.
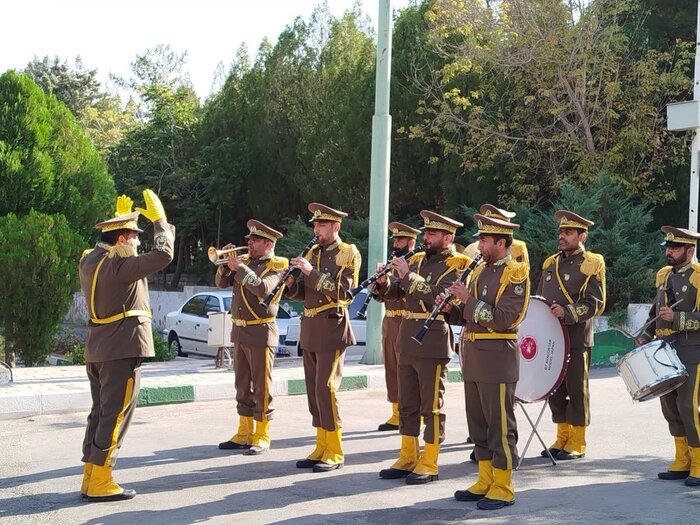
(534, 432)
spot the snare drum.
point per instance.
(651, 370)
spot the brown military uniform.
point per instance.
(113, 280)
(576, 282)
(680, 406)
(325, 325)
(254, 333)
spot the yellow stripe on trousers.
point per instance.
(331, 386)
(436, 413)
(266, 387)
(504, 428)
(696, 416)
(585, 388)
(120, 419)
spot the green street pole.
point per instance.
(379, 179)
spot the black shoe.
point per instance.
(692, 481)
(564, 455)
(393, 473)
(674, 474)
(465, 495)
(420, 479)
(384, 427)
(472, 457)
(553, 451)
(83, 495)
(322, 466)
(125, 494)
(492, 504)
(469, 440)
(230, 445)
(308, 463)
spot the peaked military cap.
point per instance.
(398, 229)
(259, 229)
(321, 212)
(489, 210)
(568, 219)
(434, 221)
(493, 226)
(675, 237)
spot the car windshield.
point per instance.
(227, 304)
(357, 303)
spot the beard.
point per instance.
(400, 252)
(432, 250)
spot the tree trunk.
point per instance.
(180, 266)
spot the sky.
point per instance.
(108, 35)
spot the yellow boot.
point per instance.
(408, 458)
(260, 440)
(680, 467)
(102, 487)
(317, 453)
(241, 439)
(333, 457)
(501, 493)
(393, 422)
(427, 468)
(479, 489)
(87, 470)
(575, 448)
(563, 434)
(694, 479)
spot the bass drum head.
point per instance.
(543, 344)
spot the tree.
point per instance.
(47, 249)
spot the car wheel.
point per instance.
(175, 347)
(300, 352)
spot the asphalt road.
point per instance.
(170, 457)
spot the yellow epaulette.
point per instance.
(416, 258)
(122, 250)
(86, 252)
(458, 262)
(548, 261)
(661, 275)
(694, 279)
(515, 272)
(348, 255)
(277, 264)
(593, 263)
(518, 250)
(310, 253)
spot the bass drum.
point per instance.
(543, 343)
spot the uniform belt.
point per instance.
(313, 312)
(394, 313)
(476, 336)
(123, 315)
(252, 322)
(421, 315)
(664, 332)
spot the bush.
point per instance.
(161, 348)
(77, 354)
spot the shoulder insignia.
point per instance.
(593, 263)
(418, 257)
(123, 250)
(347, 255)
(661, 275)
(515, 272)
(458, 262)
(310, 253)
(86, 252)
(549, 261)
(518, 250)
(695, 280)
(277, 264)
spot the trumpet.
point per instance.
(220, 257)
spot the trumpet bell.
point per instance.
(219, 257)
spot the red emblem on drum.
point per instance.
(528, 348)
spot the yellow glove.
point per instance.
(124, 205)
(154, 208)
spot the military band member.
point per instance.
(422, 367)
(254, 334)
(493, 305)
(518, 250)
(680, 326)
(573, 281)
(328, 273)
(403, 241)
(113, 280)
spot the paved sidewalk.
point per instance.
(61, 389)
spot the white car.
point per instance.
(186, 329)
(359, 327)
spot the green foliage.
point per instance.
(46, 161)
(77, 354)
(160, 346)
(38, 256)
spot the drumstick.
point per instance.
(648, 324)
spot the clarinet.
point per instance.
(387, 268)
(362, 312)
(446, 299)
(268, 298)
